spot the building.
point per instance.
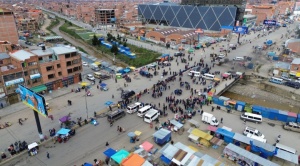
(28, 24)
(249, 20)
(105, 16)
(60, 66)
(8, 29)
(263, 12)
(295, 67)
(204, 17)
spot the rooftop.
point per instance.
(296, 61)
(22, 55)
(42, 52)
(168, 31)
(4, 56)
(63, 50)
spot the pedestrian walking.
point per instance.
(245, 121)
(107, 144)
(48, 155)
(118, 129)
(221, 120)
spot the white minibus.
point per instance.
(151, 115)
(286, 148)
(208, 76)
(196, 73)
(256, 138)
(276, 80)
(251, 117)
(142, 111)
(132, 108)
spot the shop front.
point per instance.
(11, 86)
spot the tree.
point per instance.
(114, 49)
(109, 37)
(125, 44)
(95, 40)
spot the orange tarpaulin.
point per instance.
(133, 160)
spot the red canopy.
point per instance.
(212, 128)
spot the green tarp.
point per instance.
(39, 88)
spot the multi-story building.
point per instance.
(8, 29)
(28, 24)
(105, 16)
(60, 66)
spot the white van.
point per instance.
(196, 73)
(151, 115)
(142, 111)
(132, 108)
(208, 76)
(256, 138)
(286, 148)
(253, 131)
(251, 117)
(238, 58)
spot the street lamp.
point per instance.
(86, 107)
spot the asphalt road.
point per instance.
(89, 140)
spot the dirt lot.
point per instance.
(251, 94)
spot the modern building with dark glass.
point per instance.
(190, 16)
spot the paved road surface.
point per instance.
(89, 141)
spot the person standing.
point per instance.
(48, 155)
(221, 120)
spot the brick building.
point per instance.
(105, 16)
(8, 29)
(263, 12)
(28, 24)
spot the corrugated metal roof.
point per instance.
(4, 55)
(296, 61)
(21, 55)
(42, 52)
(63, 50)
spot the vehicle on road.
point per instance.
(194, 73)
(132, 108)
(208, 76)
(221, 56)
(127, 94)
(286, 78)
(151, 116)
(142, 111)
(209, 119)
(238, 58)
(253, 131)
(115, 115)
(251, 117)
(256, 138)
(176, 54)
(95, 67)
(90, 77)
(205, 70)
(292, 84)
(85, 64)
(276, 80)
(292, 126)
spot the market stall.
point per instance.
(117, 158)
(33, 149)
(194, 123)
(179, 155)
(133, 160)
(167, 153)
(147, 146)
(162, 136)
(242, 156)
(109, 152)
(225, 134)
(176, 126)
(65, 121)
(204, 137)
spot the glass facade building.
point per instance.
(186, 16)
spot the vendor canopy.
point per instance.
(109, 152)
(63, 131)
(120, 155)
(175, 123)
(168, 151)
(147, 146)
(201, 134)
(133, 160)
(64, 119)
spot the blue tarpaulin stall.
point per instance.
(120, 155)
(162, 136)
(292, 117)
(63, 131)
(269, 42)
(228, 136)
(271, 53)
(273, 114)
(87, 164)
(282, 116)
(108, 103)
(263, 111)
(298, 119)
(165, 159)
(109, 152)
(240, 106)
(275, 58)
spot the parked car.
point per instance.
(292, 126)
(205, 70)
(90, 77)
(104, 77)
(286, 78)
(84, 64)
(176, 54)
(253, 131)
(127, 94)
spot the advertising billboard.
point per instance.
(33, 100)
(270, 22)
(240, 29)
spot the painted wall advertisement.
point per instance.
(33, 100)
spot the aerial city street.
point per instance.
(149, 83)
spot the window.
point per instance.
(74, 54)
(58, 65)
(296, 68)
(1, 62)
(25, 73)
(70, 71)
(1, 90)
(50, 76)
(69, 63)
(49, 68)
(50, 56)
(67, 55)
(19, 75)
(59, 73)
(33, 63)
(34, 71)
(40, 58)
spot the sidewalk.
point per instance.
(11, 109)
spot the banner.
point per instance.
(240, 29)
(33, 100)
(270, 22)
